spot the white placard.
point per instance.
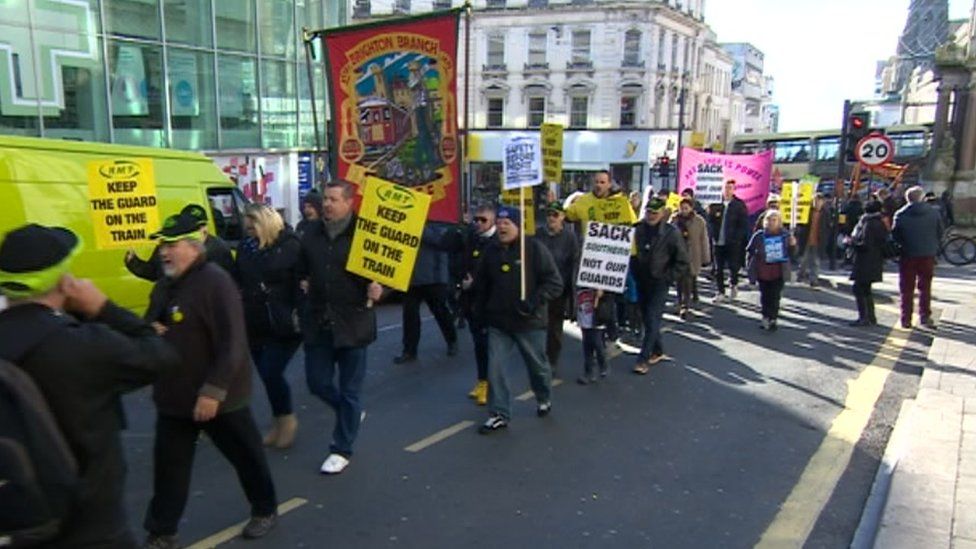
(606, 257)
(522, 162)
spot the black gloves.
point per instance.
(527, 307)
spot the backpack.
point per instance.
(38, 471)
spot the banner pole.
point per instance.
(522, 238)
(466, 161)
(794, 203)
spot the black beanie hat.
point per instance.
(33, 258)
(314, 199)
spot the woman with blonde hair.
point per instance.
(769, 252)
(266, 273)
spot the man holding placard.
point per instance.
(512, 288)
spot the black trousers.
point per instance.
(770, 292)
(727, 256)
(435, 295)
(554, 329)
(865, 301)
(235, 435)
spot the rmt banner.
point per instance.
(606, 257)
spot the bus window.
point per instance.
(745, 147)
(909, 144)
(793, 150)
(827, 148)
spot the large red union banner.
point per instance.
(394, 106)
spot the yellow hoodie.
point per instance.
(614, 209)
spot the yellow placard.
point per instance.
(511, 198)
(697, 140)
(804, 201)
(674, 200)
(388, 231)
(551, 136)
(122, 201)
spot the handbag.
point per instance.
(353, 326)
(282, 319)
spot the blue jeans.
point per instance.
(479, 335)
(271, 357)
(532, 347)
(321, 360)
(652, 309)
(594, 351)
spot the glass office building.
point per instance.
(210, 75)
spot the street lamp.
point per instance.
(681, 125)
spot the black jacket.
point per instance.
(737, 225)
(660, 257)
(918, 229)
(825, 229)
(474, 252)
(564, 248)
(82, 368)
(204, 318)
(269, 285)
(852, 210)
(336, 298)
(498, 286)
(152, 269)
(868, 242)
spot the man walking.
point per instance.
(918, 230)
(813, 239)
(198, 309)
(514, 322)
(484, 236)
(661, 259)
(83, 352)
(340, 322)
(730, 227)
(429, 284)
(217, 250)
(564, 247)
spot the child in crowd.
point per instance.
(592, 312)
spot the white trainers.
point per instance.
(720, 298)
(733, 293)
(334, 464)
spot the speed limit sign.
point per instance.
(874, 150)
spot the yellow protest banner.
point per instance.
(388, 231)
(674, 200)
(697, 140)
(122, 201)
(551, 136)
(511, 198)
(804, 201)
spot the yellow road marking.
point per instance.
(232, 532)
(439, 436)
(799, 513)
(529, 394)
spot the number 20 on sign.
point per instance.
(874, 150)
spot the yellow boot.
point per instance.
(474, 390)
(482, 396)
(287, 426)
(271, 438)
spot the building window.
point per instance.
(192, 99)
(188, 22)
(660, 49)
(581, 47)
(538, 4)
(674, 51)
(628, 111)
(84, 114)
(537, 111)
(632, 48)
(442, 4)
(131, 18)
(279, 105)
(277, 23)
(236, 26)
(578, 114)
(496, 112)
(537, 49)
(238, 78)
(496, 4)
(496, 50)
(136, 79)
(401, 6)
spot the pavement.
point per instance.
(924, 493)
(746, 438)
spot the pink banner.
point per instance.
(707, 173)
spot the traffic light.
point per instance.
(857, 128)
(664, 166)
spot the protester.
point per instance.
(868, 242)
(266, 262)
(339, 323)
(918, 230)
(591, 313)
(769, 253)
(429, 284)
(813, 238)
(82, 352)
(635, 200)
(198, 310)
(484, 236)
(514, 321)
(217, 251)
(949, 214)
(690, 193)
(851, 211)
(564, 247)
(730, 225)
(772, 204)
(694, 232)
(311, 212)
(661, 259)
(456, 234)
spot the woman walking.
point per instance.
(769, 264)
(695, 233)
(868, 244)
(269, 287)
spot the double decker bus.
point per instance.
(796, 154)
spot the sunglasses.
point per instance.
(481, 219)
(554, 213)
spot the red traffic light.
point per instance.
(664, 160)
(857, 122)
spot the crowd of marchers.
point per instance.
(214, 317)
